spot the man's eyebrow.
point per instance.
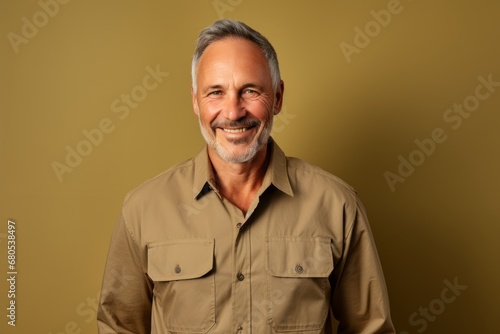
(211, 87)
(252, 85)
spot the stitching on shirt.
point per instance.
(271, 278)
(129, 230)
(186, 164)
(297, 164)
(346, 189)
(354, 214)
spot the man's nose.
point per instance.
(233, 107)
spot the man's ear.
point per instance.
(196, 110)
(279, 98)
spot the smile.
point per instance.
(235, 130)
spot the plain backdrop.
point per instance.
(367, 86)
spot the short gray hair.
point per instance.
(228, 28)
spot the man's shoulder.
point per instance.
(169, 179)
(315, 177)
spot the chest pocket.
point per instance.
(298, 288)
(184, 285)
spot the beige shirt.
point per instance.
(183, 259)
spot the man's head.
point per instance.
(227, 28)
(236, 89)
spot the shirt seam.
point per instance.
(129, 231)
(322, 172)
(186, 164)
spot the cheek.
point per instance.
(263, 110)
(208, 111)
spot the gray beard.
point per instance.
(256, 146)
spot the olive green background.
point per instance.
(351, 118)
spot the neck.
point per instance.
(239, 182)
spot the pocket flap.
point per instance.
(180, 259)
(299, 256)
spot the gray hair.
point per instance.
(228, 28)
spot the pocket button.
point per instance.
(299, 269)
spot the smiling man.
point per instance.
(278, 246)
(235, 98)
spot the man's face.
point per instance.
(235, 101)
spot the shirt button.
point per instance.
(177, 269)
(240, 328)
(299, 269)
(238, 225)
(240, 277)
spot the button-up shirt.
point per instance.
(183, 259)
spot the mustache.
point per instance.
(240, 123)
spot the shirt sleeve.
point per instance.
(126, 293)
(360, 301)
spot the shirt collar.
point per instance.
(276, 173)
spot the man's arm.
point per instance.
(360, 300)
(126, 294)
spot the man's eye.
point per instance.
(250, 92)
(215, 92)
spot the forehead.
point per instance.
(233, 56)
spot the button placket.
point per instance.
(240, 287)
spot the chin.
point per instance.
(237, 157)
(238, 154)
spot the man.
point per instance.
(241, 239)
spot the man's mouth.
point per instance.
(235, 127)
(239, 130)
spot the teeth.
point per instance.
(236, 130)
